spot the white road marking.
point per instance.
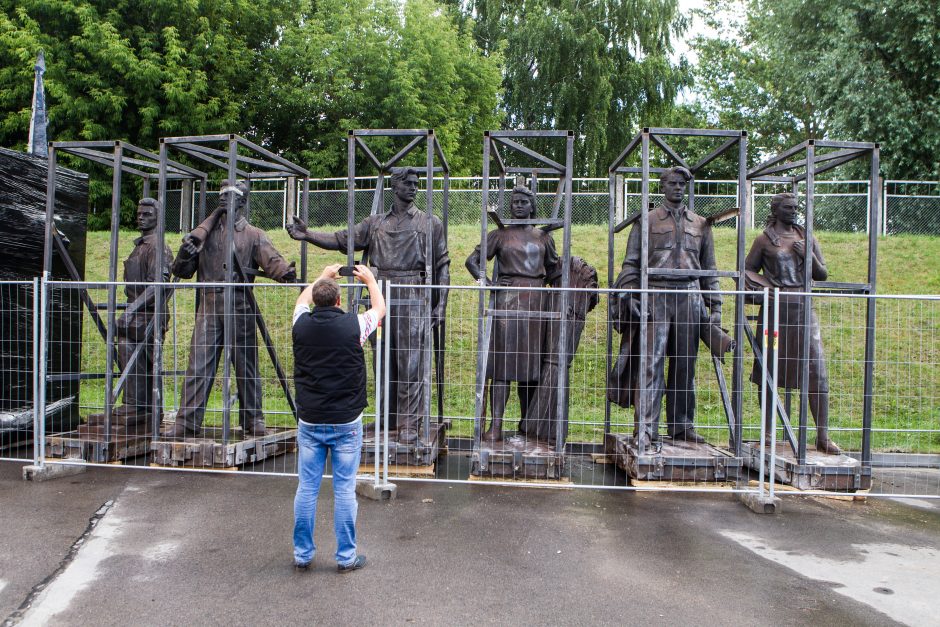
(77, 576)
(919, 503)
(900, 581)
(3, 584)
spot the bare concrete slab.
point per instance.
(159, 547)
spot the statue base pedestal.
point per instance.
(673, 461)
(412, 459)
(89, 443)
(519, 458)
(209, 451)
(821, 471)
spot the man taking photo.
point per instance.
(330, 379)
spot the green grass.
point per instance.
(907, 372)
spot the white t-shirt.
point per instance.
(368, 321)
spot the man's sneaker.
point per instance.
(302, 568)
(356, 564)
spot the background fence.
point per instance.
(911, 207)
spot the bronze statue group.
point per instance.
(407, 247)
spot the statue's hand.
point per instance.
(297, 229)
(290, 276)
(437, 315)
(633, 307)
(189, 249)
(799, 247)
(715, 317)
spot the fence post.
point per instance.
(39, 427)
(619, 197)
(37, 338)
(883, 190)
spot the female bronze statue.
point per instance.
(525, 257)
(778, 254)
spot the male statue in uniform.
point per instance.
(396, 243)
(140, 272)
(682, 240)
(204, 250)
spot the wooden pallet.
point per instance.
(89, 443)
(837, 473)
(210, 452)
(561, 483)
(400, 470)
(673, 462)
(859, 496)
(518, 459)
(415, 454)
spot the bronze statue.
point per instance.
(525, 257)
(778, 254)
(396, 243)
(140, 272)
(681, 240)
(540, 419)
(204, 251)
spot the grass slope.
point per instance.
(907, 371)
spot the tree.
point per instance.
(374, 64)
(865, 70)
(600, 68)
(133, 70)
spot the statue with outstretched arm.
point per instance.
(396, 244)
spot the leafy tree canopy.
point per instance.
(864, 70)
(351, 64)
(600, 68)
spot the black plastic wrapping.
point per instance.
(22, 231)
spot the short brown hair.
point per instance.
(325, 292)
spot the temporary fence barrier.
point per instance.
(903, 437)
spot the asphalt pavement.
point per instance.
(115, 546)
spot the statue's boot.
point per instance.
(123, 416)
(824, 444)
(179, 431)
(256, 428)
(495, 432)
(819, 406)
(407, 430)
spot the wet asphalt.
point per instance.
(115, 546)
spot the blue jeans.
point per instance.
(345, 444)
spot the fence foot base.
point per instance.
(368, 489)
(760, 504)
(50, 471)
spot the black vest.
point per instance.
(329, 366)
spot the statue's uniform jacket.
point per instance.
(253, 250)
(140, 267)
(680, 241)
(525, 257)
(772, 254)
(397, 246)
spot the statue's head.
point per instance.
(238, 193)
(147, 211)
(673, 183)
(522, 203)
(404, 183)
(784, 208)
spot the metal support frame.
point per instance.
(121, 157)
(822, 156)
(642, 141)
(258, 163)
(493, 143)
(434, 162)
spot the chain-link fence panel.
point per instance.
(842, 206)
(837, 205)
(912, 207)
